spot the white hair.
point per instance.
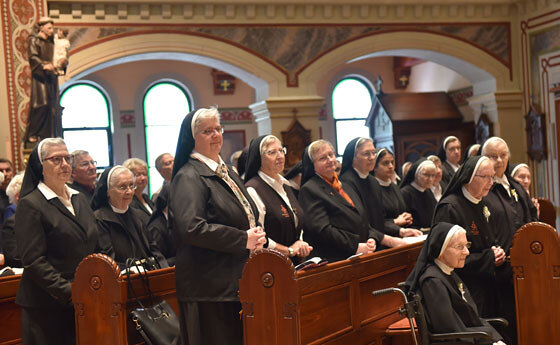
(14, 187)
(132, 163)
(493, 140)
(203, 114)
(266, 142)
(115, 172)
(46, 144)
(315, 146)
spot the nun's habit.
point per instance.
(333, 226)
(391, 196)
(448, 169)
(447, 302)
(122, 233)
(457, 206)
(158, 228)
(419, 202)
(368, 190)
(281, 214)
(52, 241)
(210, 226)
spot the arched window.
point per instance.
(165, 107)
(86, 123)
(351, 104)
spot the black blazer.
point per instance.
(145, 215)
(333, 227)
(447, 174)
(52, 242)
(8, 242)
(210, 227)
(115, 240)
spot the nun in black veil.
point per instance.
(214, 221)
(358, 162)
(447, 302)
(122, 233)
(158, 227)
(463, 203)
(335, 221)
(450, 155)
(418, 197)
(55, 229)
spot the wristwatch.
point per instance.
(291, 251)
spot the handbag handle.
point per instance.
(131, 262)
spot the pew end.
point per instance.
(102, 302)
(331, 304)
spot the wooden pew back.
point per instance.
(102, 300)
(331, 304)
(10, 312)
(535, 259)
(547, 212)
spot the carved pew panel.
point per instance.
(535, 259)
(10, 326)
(326, 305)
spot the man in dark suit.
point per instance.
(84, 173)
(6, 168)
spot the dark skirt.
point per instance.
(211, 323)
(48, 326)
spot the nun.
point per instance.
(522, 174)
(335, 221)
(438, 186)
(391, 196)
(418, 197)
(450, 155)
(446, 299)
(294, 177)
(158, 228)
(471, 151)
(122, 233)
(463, 204)
(279, 210)
(55, 229)
(214, 221)
(358, 161)
(511, 208)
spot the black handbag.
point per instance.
(157, 324)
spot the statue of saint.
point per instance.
(44, 115)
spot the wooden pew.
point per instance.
(326, 305)
(547, 212)
(10, 312)
(102, 301)
(535, 259)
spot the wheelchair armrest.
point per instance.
(498, 321)
(457, 335)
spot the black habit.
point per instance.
(51, 242)
(4, 203)
(159, 230)
(211, 231)
(8, 241)
(420, 204)
(145, 215)
(393, 205)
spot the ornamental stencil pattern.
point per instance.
(23, 10)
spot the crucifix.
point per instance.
(225, 85)
(404, 80)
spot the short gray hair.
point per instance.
(203, 114)
(159, 160)
(48, 143)
(119, 170)
(267, 141)
(14, 187)
(315, 146)
(132, 163)
(77, 153)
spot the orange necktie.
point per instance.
(338, 187)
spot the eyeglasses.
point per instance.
(428, 175)
(210, 131)
(57, 160)
(324, 158)
(275, 153)
(141, 174)
(84, 164)
(368, 154)
(495, 157)
(487, 178)
(462, 247)
(124, 187)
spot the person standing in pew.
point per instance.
(215, 224)
(418, 197)
(464, 203)
(511, 208)
(159, 229)
(122, 233)
(522, 174)
(392, 200)
(279, 210)
(55, 229)
(335, 220)
(450, 155)
(448, 304)
(358, 162)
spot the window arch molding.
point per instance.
(110, 100)
(366, 78)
